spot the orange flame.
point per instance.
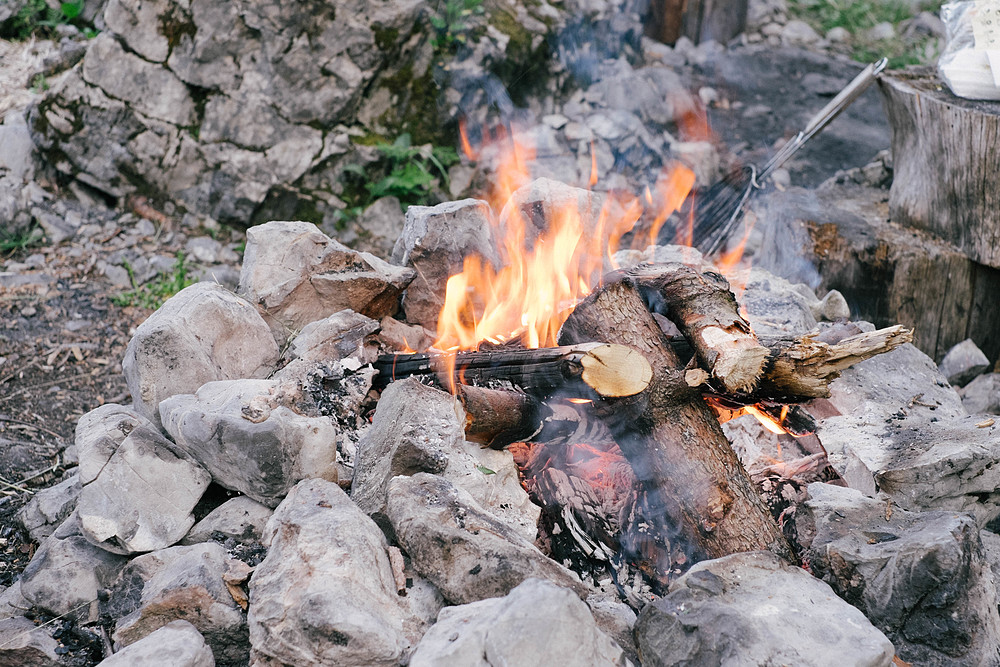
(672, 188)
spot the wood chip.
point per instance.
(398, 564)
(986, 423)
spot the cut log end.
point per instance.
(739, 358)
(615, 371)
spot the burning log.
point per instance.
(498, 417)
(706, 312)
(608, 370)
(671, 437)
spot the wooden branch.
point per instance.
(671, 437)
(706, 313)
(498, 417)
(608, 370)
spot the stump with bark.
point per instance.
(946, 162)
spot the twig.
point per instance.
(47, 383)
(39, 428)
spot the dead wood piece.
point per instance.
(608, 370)
(706, 313)
(805, 367)
(671, 437)
(497, 417)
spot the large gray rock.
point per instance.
(202, 333)
(417, 428)
(537, 623)
(49, 507)
(241, 519)
(297, 274)
(462, 549)
(180, 583)
(435, 241)
(963, 363)
(67, 572)
(776, 307)
(24, 644)
(143, 498)
(982, 395)
(922, 578)
(325, 593)
(98, 435)
(755, 609)
(248, 440)
(339, 336)
(178, 644)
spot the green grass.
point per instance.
(11, 243)
(37, 18)
(859, 16)
(152, 294)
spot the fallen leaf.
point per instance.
(485, 470)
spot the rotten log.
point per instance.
(608, 370)
(671, 437)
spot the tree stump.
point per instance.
(698, 20)
(946, 155)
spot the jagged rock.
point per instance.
(325, 593)
(180, 583)
(49, 507)
(99, 433)
(339, 336)
(462, 549)
(177, 643)
(17, 152)
(24, 644)
(12, 603)
(67, 572)
(921, 578)
(241, 519)
(776, 306)
(536, 623)
(202, 333)
(296, 274)
(963, 363)
(435, 241)
(755, 609)
(982, 395)
(398, 336)
(376, 230)
(143, 497)
(417, 428)
(249, 440)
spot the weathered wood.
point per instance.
(671, 437)
(705, 311)
(498, 417)
(609, 370)
(946, 162)
(698, 20)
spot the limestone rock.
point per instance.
(963, 363)
(49, 507)
(982, 395)
(417, 428)
(202, 333)
(921, 578)
(143, 497)
(536, 623)
(98, 435)
(463, 550)
(67, 572)
(180, 583)
(241, 519)
(435, 241)
(248, 440)
(776, 306)
(376, 230)
(754, 609)
(24, 644)
(339, 336)
(177, 643)
(296, 274)
(325, 593)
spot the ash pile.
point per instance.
(260, 502)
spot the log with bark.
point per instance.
(946, 162)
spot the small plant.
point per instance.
(450, 24)
(152, 294)
(411, 170)
(37, 17)
(39, 84)
(11, 243)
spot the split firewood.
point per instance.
(671, 437)
(705, 311)
(608, 370)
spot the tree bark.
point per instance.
(671, 437)
(946, 162)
